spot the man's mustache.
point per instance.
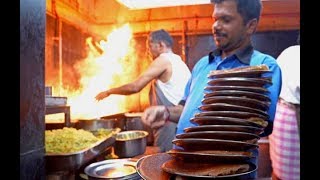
(219, 34)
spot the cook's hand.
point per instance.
(155, 116)
(102, 95)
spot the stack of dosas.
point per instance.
(232, 116)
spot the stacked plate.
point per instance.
(232, 116)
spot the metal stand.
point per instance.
(60, 109)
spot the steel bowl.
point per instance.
(115, 169)
(95, 124)
(130, 143)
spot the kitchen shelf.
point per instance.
(60, 109)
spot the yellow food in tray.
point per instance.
(69, 140)
(103, 133)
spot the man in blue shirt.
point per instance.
(234, 23)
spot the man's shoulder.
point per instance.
(204, 60)
(293, 48)
(291, 54)
(261, 58)
(172, 58)
(291, 51)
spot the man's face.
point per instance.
(229, 29)
(154, 48)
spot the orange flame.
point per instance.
(115, 66)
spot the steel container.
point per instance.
(95, 124)
(57, 162)
(130, 143)
(120, 120)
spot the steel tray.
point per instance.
(56, 162)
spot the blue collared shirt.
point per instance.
(194, 91)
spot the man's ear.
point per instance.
(162, 44)
(252, 26)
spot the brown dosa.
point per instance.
(245, 153)
(203, 169)
(258, 121)
(262, 67)
(150, 167)
(225, 152)
(252, 141)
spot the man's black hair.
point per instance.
(161, 35)
(248, 9)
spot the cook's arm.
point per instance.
(156, 68)
(175, 113)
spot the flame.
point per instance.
(115, 65)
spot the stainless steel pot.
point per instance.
(133, 121)
(130, 143)
(120, 120)
(94, 124)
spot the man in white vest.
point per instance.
(168, 75)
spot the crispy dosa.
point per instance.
(203, 169)
(150, 167)
(262, 67)
(258, 121)
(246, 153)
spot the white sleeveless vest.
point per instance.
(173, 89)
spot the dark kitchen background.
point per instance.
(54, 43)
